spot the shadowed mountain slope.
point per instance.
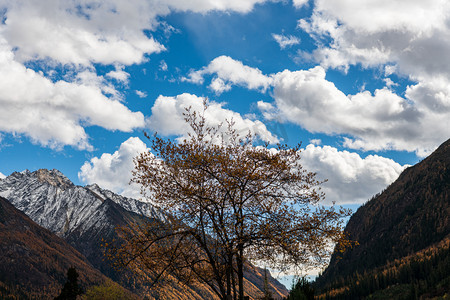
(86, 217)
(412, 214)
(34, 261)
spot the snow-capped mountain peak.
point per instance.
(50, 199)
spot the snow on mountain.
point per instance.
(50, 199)
(87, 216)
(130, 204)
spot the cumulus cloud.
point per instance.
(113, 171)
(75, 32)
(382, 120)
(54, 113)
(228, 72)
(417, 121)
(413, 35)
(316, 142)
(167, 117)
(73, 37)
(119, 75)
(48, 33)
(105, 32)
(285, 41)
(433, 94)
(242, 6)
(410, 38)
(307, 98)
(351, 179)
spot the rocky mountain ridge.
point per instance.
(87, 216)
(54, 202)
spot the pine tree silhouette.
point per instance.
(71, 289)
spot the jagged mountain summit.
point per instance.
(87, 216)
(83, 216)
(54, 202)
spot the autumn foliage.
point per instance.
(226, 202)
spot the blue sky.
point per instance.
(364, 86)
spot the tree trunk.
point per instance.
(233, 280)
(229, 273)
(240, 265)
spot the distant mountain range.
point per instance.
(84, 217)
(403, 235)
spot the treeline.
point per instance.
(426, 274)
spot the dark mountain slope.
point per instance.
(33, 260)
(412, 214)
(87, 216)
(422, 275)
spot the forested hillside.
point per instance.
(86, 219)
(403, 238)
(34, 261)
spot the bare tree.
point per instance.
(228, 201)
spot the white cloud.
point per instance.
(219, 85)
(389, 70)
(389, 83)
(227, 72)
(351, 179)
(374, 121)
(113, 171)
(432, 94)
(378, 121)
(369, 16)
(316, 142)
(54, 113)
(299, 3)
(70, 38)
(76, 32)
(413, 35)
(141, 94)
(119, 74)
(285, 41)
(167, 117)
(85, 32)
(269, 111)
(242, 6)
(163, 66)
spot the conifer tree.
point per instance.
(71, 289)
